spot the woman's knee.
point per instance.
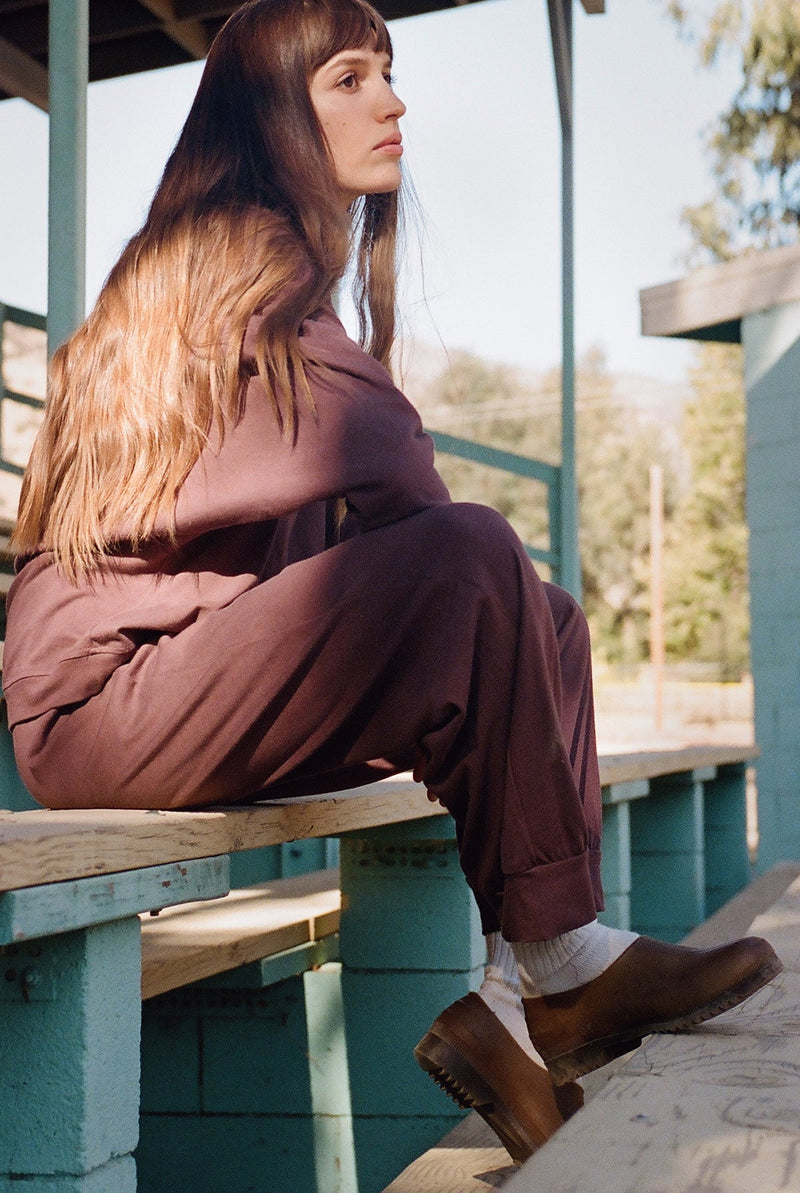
(568, 616)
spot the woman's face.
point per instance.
(359, 113)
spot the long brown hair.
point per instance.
(246, 217)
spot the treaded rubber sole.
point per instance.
(461, 1082)
(571, 1065)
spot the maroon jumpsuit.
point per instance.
(258, 656)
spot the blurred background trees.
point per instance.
(754, 158)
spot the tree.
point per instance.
(705, 575)
(755, 144)
(494, 404)
(616, 446)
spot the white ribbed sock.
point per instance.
(577, 957)
(500, 990)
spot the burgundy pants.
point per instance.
(431, 638)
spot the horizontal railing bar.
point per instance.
(481, 453)
(23, 399)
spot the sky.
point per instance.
(482, 146)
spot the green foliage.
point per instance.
(615, 450)
(754, 145)
(706, 582)
(496, 405)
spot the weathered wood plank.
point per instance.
(43, 846)
(715, 1109)
(198, 940)
(469, 1159)
(647, 764)
(721, 293)
(32, 912)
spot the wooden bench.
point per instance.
(220, 1056)
(196, 941)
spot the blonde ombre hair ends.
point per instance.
(245, 219)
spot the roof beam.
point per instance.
(594, 7)
(560, 34)
(22, 75)
(189, 35)
(718, 296)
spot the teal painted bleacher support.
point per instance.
(667, 856)
(68, 78)
(616, 860)
(411, 944)
(310, 1082)
(727, 863)
(69, 1049)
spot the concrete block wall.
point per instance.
(771, 341)
(309, 1085)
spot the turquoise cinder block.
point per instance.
(727, 865)
(616, 858)
(118, 1176)
(386, 1014)
(386, 1146)
(255, 865)
(667, 857)
(408, 906)
(329, 1074)
(255, 1052)
(69, 1056)
(237, 1153)
(170, 1060)
(668, 898)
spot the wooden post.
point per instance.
(657, 591)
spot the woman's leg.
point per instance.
(432, 634)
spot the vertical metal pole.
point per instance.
(570, 550)
(560, 13)
(68, 79)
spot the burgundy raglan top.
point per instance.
(246, 510)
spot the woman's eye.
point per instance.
(349, 82)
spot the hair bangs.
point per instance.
(342, 25)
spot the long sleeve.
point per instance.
(363, 442)
(250, 507)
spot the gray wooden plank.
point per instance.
(469, 1159)
(715, 1109)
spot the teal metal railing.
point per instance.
(10, 314)
(547, 474)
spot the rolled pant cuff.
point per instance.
(542, 903)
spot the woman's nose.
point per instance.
(394, 106)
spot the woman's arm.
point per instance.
(363, 442)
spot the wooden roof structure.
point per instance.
(708, 304)
(129, 36)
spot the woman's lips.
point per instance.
(392, 146)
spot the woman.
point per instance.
(240, 575)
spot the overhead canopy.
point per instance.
(709, 303)
(128, 36)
